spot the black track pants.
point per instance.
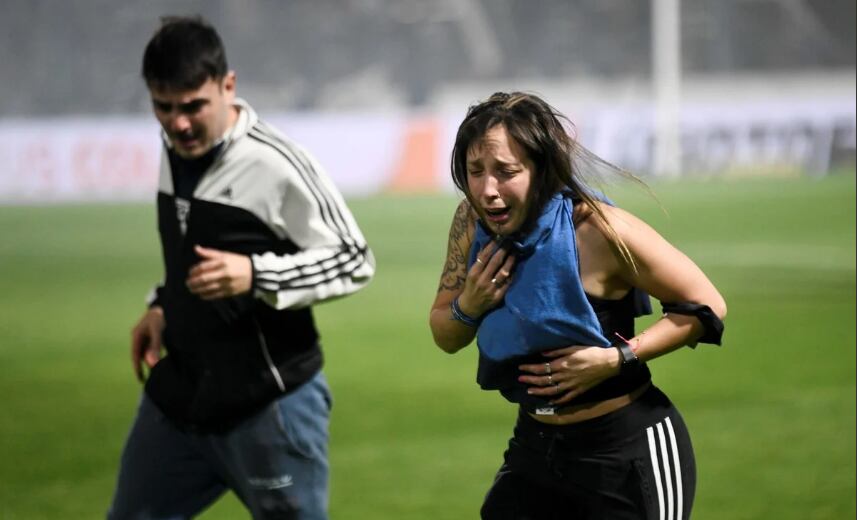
(635, 463)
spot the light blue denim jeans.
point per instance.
(275, 461)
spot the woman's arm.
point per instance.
(475, 288)
(669, 276)
(659, 269)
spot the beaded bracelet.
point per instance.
(458, 315)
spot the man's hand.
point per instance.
(146, 340)
(219, 274)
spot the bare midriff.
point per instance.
(583, 412)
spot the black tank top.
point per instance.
(614, 316)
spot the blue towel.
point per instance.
(545, 306)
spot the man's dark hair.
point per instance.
(184, 53)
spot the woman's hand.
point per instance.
(487, 280)
(570, 371)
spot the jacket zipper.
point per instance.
(267, 355)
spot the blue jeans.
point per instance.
(275, 461)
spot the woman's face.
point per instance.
(499, 175)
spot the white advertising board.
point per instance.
(116, 159)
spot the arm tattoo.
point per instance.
(455, 270)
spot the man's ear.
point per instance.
(227, 84)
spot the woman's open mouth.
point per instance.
(497, 215)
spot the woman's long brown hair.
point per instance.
(546, 136)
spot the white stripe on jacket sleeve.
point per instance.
(333, 260)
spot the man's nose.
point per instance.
(179, 123)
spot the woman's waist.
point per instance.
(577, 413)
(506, 379)
(625, 425)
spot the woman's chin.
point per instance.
(495, 228)
(502, 229)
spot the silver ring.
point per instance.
(550, 379)
(547, 368)
(478, 261)
(496, 282)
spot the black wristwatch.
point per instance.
(629, 359)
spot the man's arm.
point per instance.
(334, 259)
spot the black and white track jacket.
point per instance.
(265, 197)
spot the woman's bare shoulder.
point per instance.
(624, 223)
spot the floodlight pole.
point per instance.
(666, 83)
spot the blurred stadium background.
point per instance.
(745, 130)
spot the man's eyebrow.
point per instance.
(192, 102)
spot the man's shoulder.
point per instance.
(259, 142)
(260, 132)
(265, 150)
(267, 135)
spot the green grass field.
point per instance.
(772, 413)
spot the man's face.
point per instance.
(197, 118)
(499, 175)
